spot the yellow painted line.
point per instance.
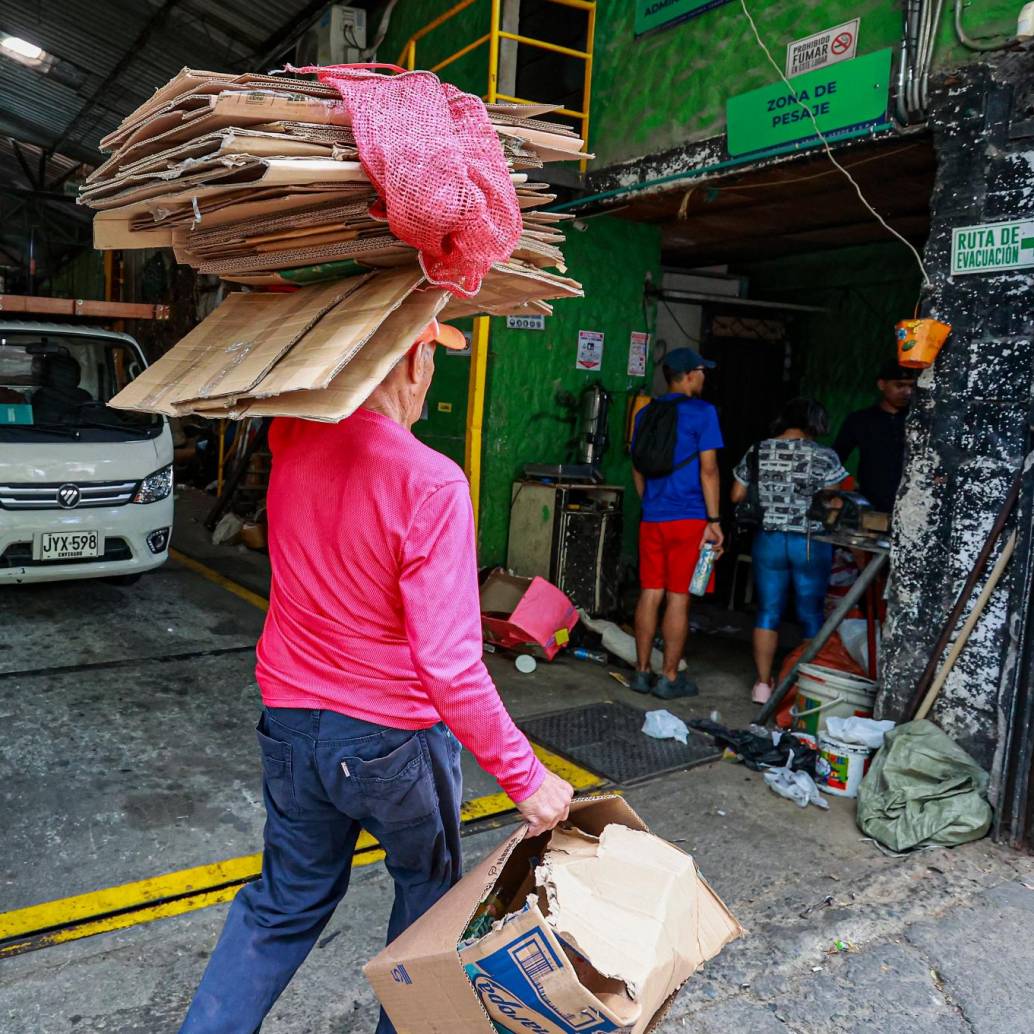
(142, 901)
(125, 896)
(137, 898)
(221, 580)
(66, 911)
(124, 920)
(580, 778)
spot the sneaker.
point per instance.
(761, 693)
(681, 686)
(642, 682)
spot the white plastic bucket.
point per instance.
(841, 766)
(822, 692)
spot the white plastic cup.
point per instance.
(525, 664)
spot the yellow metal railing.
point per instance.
(495, 34)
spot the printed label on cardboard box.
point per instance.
(511, 983)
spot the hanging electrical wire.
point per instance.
(829, 150)
(975, 44)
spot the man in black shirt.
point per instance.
(878, 433)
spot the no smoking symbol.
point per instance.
(841, 44)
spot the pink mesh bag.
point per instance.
(438, 168)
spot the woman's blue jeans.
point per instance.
(785, 558)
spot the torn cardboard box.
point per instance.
(519, 611)
(590, 929)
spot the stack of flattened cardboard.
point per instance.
(251, 174)
(257, 180)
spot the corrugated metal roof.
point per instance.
(100, 72)
(91, 40)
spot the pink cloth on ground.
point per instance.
(374, 610)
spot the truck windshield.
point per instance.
(55, 385)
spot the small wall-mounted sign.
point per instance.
(590, 350)
(638, 345)
(992, 247)
(661, 14)
(850, 95)
(823, 48)
(526, 322)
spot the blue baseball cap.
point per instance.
(685, 360)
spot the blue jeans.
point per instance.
(326, 776)
(782, 558)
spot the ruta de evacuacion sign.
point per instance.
(992, 247)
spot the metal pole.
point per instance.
(476, 409)
(493, 53)
(854, 594)
(590, 35)
(222, 458)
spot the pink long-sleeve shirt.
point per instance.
(374, 604)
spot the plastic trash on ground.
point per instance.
(619, 643)
(517, 611)
(798, 787)
(228, 531)
(663, 725)
(865, 732)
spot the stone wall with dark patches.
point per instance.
(969, 429)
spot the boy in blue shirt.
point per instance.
(680, 514)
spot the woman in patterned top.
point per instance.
(791, 467)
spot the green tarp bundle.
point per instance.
(923, 789)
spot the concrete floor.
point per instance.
(127, 753)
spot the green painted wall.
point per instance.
(469, 72)
(670, 87)
(445, 426)
(866, 290)
(529, 372)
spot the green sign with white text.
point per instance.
(992, 247)
(656, 14)
(843, 96)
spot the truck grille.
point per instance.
(66, 495)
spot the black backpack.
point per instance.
(653, 452)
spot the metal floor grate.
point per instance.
(608, 739)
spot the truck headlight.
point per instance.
(155, 486)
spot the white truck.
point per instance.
(85, 490)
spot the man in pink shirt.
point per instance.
(371, 675)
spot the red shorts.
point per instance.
(668, 554)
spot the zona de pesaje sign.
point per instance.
(843, 96)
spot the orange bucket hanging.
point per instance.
(919, 342)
